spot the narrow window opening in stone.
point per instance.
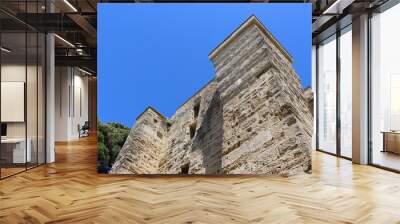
(192, 130)
(155, 120)
(185, 169)
(168, 124)
(159, 135)
(260, 73)
(196, 110)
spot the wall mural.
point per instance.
(253, 117)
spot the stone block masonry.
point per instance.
(252, 118)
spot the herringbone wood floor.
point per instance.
(70, 191)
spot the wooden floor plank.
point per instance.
(70, 191)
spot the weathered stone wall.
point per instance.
(267, 125)
(253, 118)
(144, 147)
(181, 145)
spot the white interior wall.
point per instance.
(61, 103)
(70, 83)
(12, 73)
(80, 110)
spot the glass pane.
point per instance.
(13, 88)
(41, 99)
(327, 95)
(386, 89)
(31, 100)
(31, 88)
(346, 92)
(313, 80)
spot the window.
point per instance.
(185, 168)
(385, 89)
(327, 95)
(334, 97)
(346, 92)
(22, 65)
(196, 109)
(192, 130)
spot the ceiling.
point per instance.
(74, 22)
(332, 15)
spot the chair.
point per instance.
(84, 130)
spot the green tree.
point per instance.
(110, 139)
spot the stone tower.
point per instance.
(252, 118)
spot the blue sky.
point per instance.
(157, 54)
